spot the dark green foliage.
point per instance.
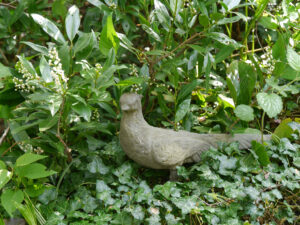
(203, 66)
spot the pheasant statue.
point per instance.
(160, 148)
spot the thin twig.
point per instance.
(14, 144)
(67, 149)
(4, 135)
(8, 5)
(4, 57)
(250, 51)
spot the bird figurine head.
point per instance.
(130, 102)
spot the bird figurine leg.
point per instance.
(173, 175)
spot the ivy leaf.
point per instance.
(108, 38)
(186, 204)
(49, 27)
(261, 152)
(293, 59)
(244, 112)
(101, 186)
(270, 103)
(72, 22)
(97, 166)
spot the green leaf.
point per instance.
(48, 123)
(28, 158)
(4, 71)
(64, 55)
(187, 89)
(84, 45)
(8, 199)
(231, 3)
(34, 171)
(72, 22)
(270, 103)
(151, 33)
(293, 59)
(296, 162)
(247, 77)
(82, 110)
(261, 152)
(267, 22)
(162, 14)
(182, 110)
(5, 176)
(59, 8)
(278, 49)
(101, 186)
(284, 130)
(224, 39)
(108, 38)
(2, 165)
(244, 112)
(97, 166)
(130, 81)
(27, 213)
(27, 64)
(36, 47)
(232, 89)
(49, 27)
(137, 212)
(45, 70)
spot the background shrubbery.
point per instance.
(203, 66)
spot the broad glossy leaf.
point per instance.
(182, 110)
(293, 59)
(84, 45)
(34, 171)
(151, 32)
(244, 112)
(64, 55)
(4, 71)
(72, 22)
(45, 70)
(49, 27)
(162, 14)
(28, 158)
(8, 199)
(5, 176)
(108, 38)
(36, 47)
(231, 3)
(175, 6)
(270, 103)
(82, 110)
(224, 39)
(48, 123)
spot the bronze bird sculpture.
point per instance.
(160, 148)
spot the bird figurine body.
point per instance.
(160, 148)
